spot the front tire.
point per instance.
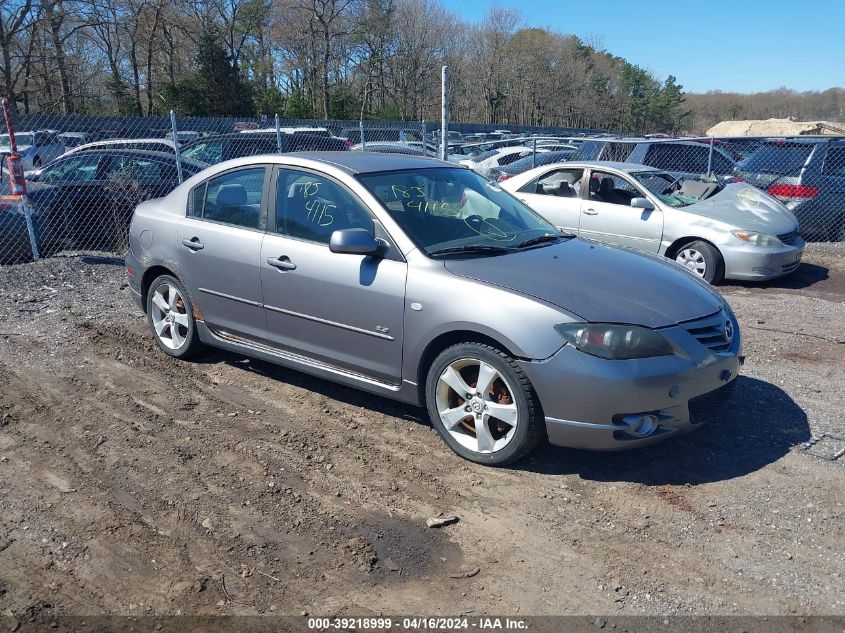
(703, 259)
(482, 404)
(171, 318)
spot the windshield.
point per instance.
(665, 187)
(22, 140)
(210, 152)
(453, 208)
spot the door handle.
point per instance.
(591, 212)
(194, 244)
(282, 263)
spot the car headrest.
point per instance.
(606, 186)
(231, 195)
(594, 185)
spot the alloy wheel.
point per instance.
(476, 405)
(169, 314)
(693, 260)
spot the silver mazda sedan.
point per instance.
(421, 281)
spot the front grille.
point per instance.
(789, 238)
(710, 405)
(710, 331)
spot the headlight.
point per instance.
(615, 342)
(758, 239)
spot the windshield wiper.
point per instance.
(540, 239)
(472, 248)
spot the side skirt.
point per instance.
(406, 392)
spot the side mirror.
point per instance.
(354, 242)
(642, 203)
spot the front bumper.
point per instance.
(586, 398)
(753, 263)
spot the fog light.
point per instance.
(641, 424)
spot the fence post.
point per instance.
(17, 180)
(278, 134)
(424, 140)
(534, 153)
(176, 143)
(444, 112)
(710, 158)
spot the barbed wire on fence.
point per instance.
(85, 175)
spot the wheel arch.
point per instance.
(675, 247)
(446, 340)
(149, 276)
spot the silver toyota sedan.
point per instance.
(717, 231)
(421, 281)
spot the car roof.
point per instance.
(353, 162)
(140, 153)
(601, 164)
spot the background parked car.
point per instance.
(389, 135)
(35, 148)
(215, 149)
(485, 163)
(74, 139)
(681, 158)
(149, 144)
(86, 199)
(715, 231)
(808, 176)
(530, 162)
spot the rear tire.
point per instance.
(494, 423)
(703, 259)
(171, 318)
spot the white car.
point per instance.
(484, 163)
(35, 148)
(716, 231)
(150, 144)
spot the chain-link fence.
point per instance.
(85, 175)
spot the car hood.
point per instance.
(746, 207)
(601, 284)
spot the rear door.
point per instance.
(556, 196)
(219, 244)
(610, 218)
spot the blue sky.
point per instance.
(728, 45)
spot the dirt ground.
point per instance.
(132, 483)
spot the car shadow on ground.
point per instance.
(759, 425)
(326, 388)
(806, 276)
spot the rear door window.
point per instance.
(234, 198)
(781, 158)
(834, 162)
(617, 152)
(673, 157)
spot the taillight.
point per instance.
(16, 175)
(504, 177)
(463, 198)
(781, 190)
(737, 179)
(349, 144)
